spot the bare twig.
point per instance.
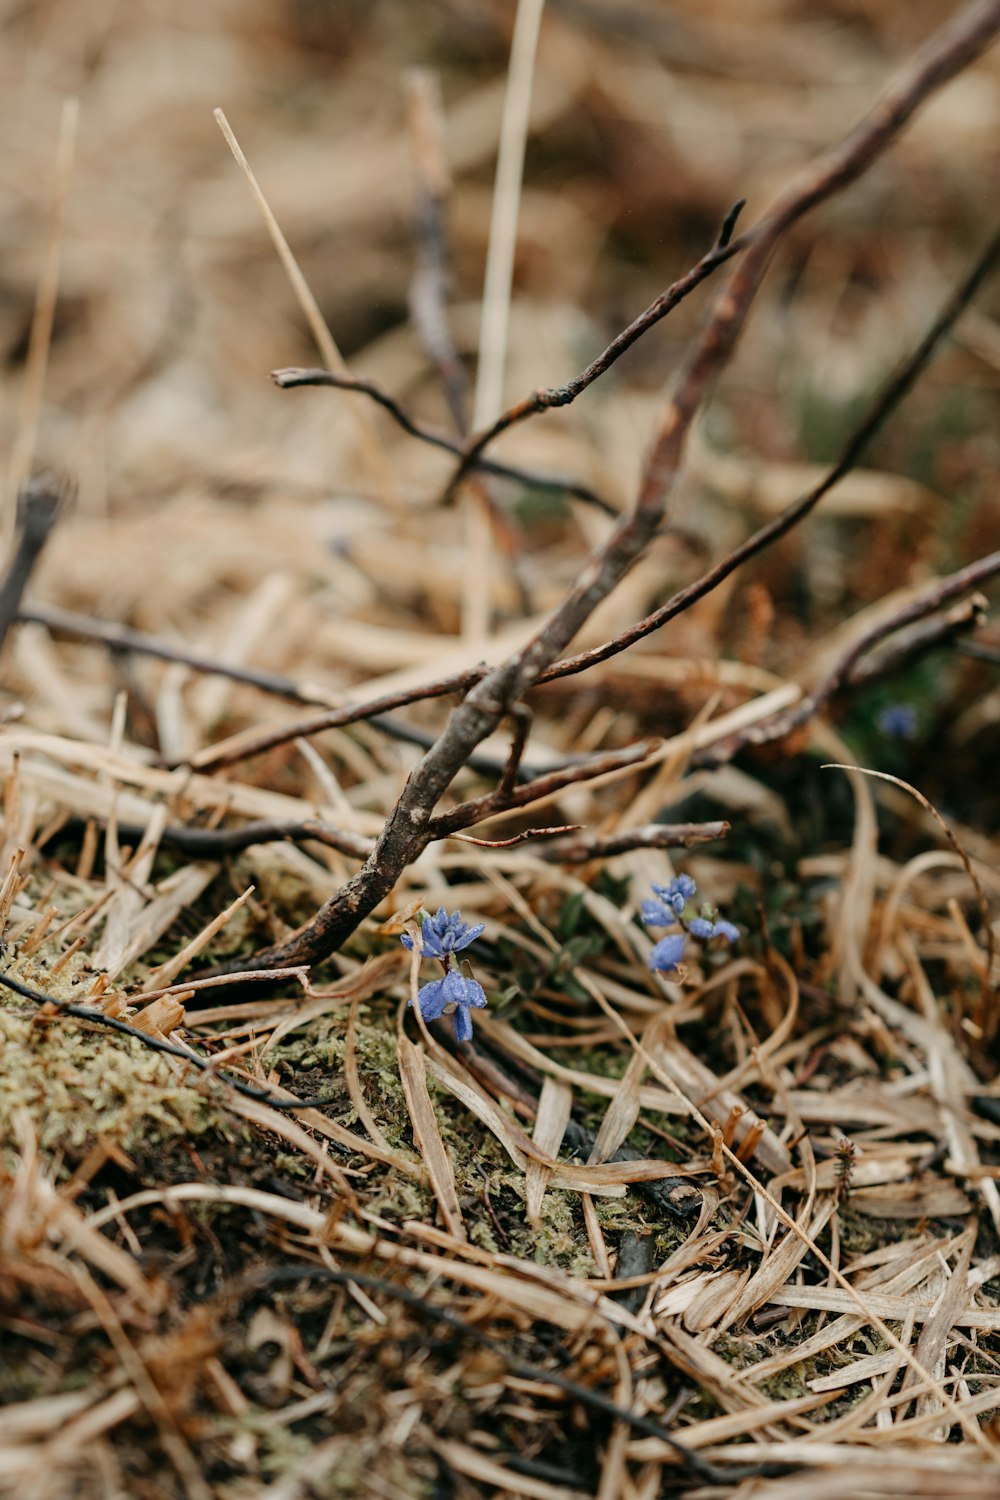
(916, 641)
(546, 398)
(521, 715)
(517, 838)
(471, 452)
(649, 836)
(432, 277)
(216, 843)
(122, 638)
(505, 799)
(845, 669)
(292, 378)
(157, 1044)
(38, 504)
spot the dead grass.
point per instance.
(735, 1235)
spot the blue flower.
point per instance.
(454, 989)
(673, 899)
(657, 914)
(671, 910)
(440, 937)
(443, 934)
(898, 721)
(704, 928)
(667, 953)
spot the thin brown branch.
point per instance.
(546, 398)
(916, 641)
(648, 836)
(218, 843)
(518, 838)
(408, 826)
(845, 669)
(521, 714)
(895, 389)
(158, 1044)
(123, 638)
(507, 799)
(294, 377)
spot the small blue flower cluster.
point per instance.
(898, 721)
(440, 937)
(672, 909)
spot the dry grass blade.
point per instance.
(555, 1103)
(427, 1134)
(380, 468)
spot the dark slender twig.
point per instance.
(931, 599)
(916, 641)
(38, 504)
(521, 715)
(649, 836)
(729, 224)
(292, 378)
(406, 829)
(981, 650)
(216, 843)
(158, 1044)
(517, 838)
(470, 452)
(477, 809)
(546, 398)
(432, 277)
(122, 638)
(586, 1395)
(257, 741)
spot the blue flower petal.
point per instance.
(442, 934)
(432, 999)
(474, 994)
(667, 953)
(678, 893)
(701, 927)
(656, 914)
(728, 931)
(462, 1023)
(461, 991)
